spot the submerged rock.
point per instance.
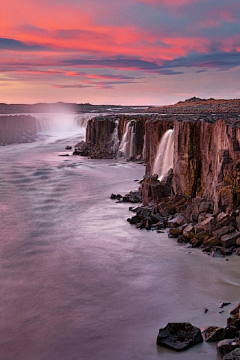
(179, 336)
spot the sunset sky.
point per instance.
(119, 52)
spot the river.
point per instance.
(77, 282)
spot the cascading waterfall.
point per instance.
(61, 124)
(82, 121)
(115, 139)
(127, 145)
(164, 158)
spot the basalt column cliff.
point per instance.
(199, 198)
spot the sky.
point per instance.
(127, 52)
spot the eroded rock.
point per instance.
(179, 336)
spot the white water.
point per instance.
(164, 158)
(126, 148)
(61, 125)
(115, 139)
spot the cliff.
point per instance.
(206, 154)
(207, 161)
(101, 138)
(17, 129)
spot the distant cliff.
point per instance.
(17, 129)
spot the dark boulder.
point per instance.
(214, 333)
(226, 346)
(235, 310)
(230, 239)
(233, 355)
(179, 336)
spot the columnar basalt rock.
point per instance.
(100, 130)
(207, 162)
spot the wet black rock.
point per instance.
(179, 336)
(68, 147)
(224, 347)
(235, 310)
(233, 355)
(81, 149)
(214, 333)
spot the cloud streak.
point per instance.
(122, 46)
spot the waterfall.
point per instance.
(115, 138)
(127, 145)
(82, 121)
(164, 158)
(61, 124)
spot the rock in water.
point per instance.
(179, 336)
(224, 347)
(214, 333)
(233, 355)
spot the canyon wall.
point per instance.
(17, 129)
(100, 132)
(206, 154)
(207, 161)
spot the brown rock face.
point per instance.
(100, 130)
(207, 162)
(99, 134)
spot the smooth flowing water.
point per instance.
(77, 282)
(164, 158)
(126, 147)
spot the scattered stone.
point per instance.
(68, 147)
(230, 239)
(175, 233)
(226, 346)
(182, 239)
(222, 304)
(214, 333)
(235, 310)
(205, 310)
(81, 149)
(233, 355)
(230, 332)
(234, 322)
(179, 336)
(188, 232)
(216, 252)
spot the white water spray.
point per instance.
(61, 125)
(115, 139)
(164, 158)
(127, 145)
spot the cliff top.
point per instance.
(196, 105)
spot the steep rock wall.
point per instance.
(100, 130)
(17, 129)
(207, 162)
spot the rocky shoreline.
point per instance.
(199, 199)
(182, 336)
